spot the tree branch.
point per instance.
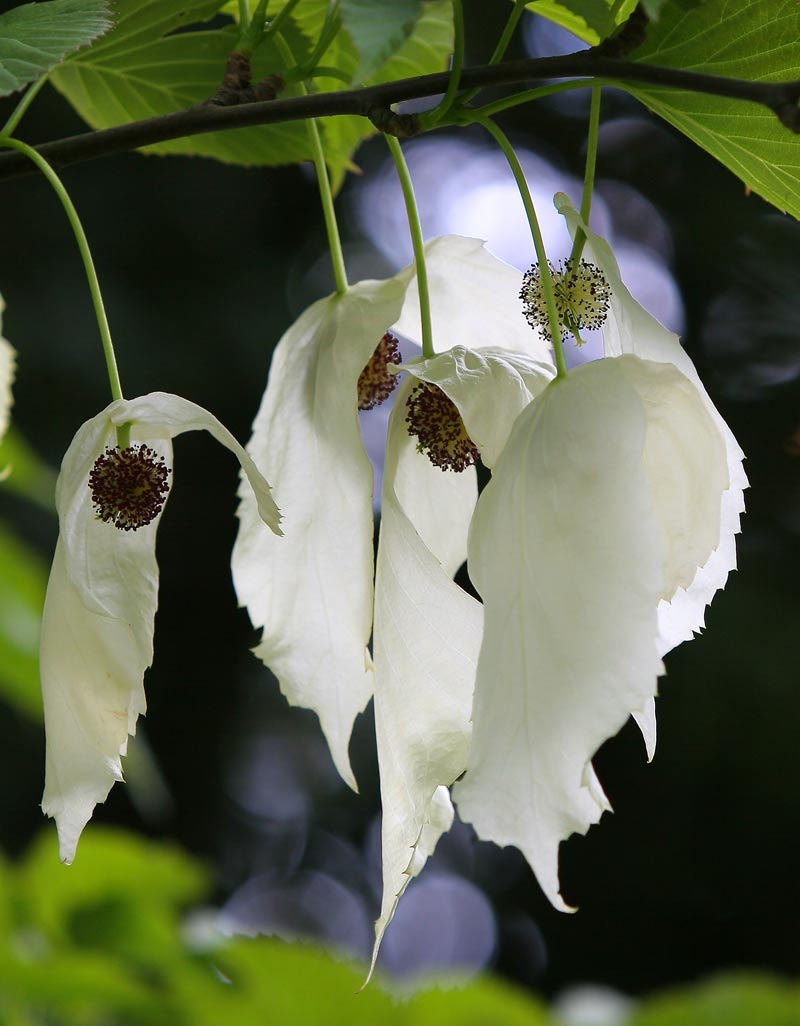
(783, 98)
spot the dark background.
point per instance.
(203, 267)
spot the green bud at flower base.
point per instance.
(582, 296)
(129, 486)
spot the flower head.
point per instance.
(582, 296)
(437, 424)
(375, 382)
(129, 486)
(622, 487)
(97, 629)
(313, 593)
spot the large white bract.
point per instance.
(97, 628)
(606, 528)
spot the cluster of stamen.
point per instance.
(582, 296)
(129, 486)
(375, 382)
(434, 418)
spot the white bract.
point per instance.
(7, 367)
(606, 528)
(312, 592)
(97, 629)
(608, 525)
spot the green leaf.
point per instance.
(24, 473)
(144, 68)
(426, 51)
(34, 38)
(378, 29)
(589, 20)
(752, 39)
(727, 1001)
(22, 587)
(484, 1001)
(112, 869)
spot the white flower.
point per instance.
(313, 593)
(97, 629)
(607, 526)
(7, 367)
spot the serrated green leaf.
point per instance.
(34, 38)
(751, 39)
(24, 473)
(426, 51)
(112, 867)
(144, 68)
(653, 7)
(22, 588)
(378, 29)
(589, 20)
(742, 1000)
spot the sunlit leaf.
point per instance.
(22, 586)
(728, 1001)
(589, 20)
(753, 39)
(426, 51)
(35, 37)
(144, 68)
(378, 29)
(24, 473)
(113, 866)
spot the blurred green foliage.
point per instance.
(108, 941)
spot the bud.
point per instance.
(434, 418)
(375, 382)
(582, 296)
(129, 486)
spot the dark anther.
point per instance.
(375, 382)
(434, 418)
(129, 486)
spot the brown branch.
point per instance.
(782, 98)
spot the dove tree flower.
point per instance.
(7, 365)
(607, 526)
(313, 593)
(97, 628)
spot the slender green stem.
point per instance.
(415, 228)
(323, 182)
(432, 117)
(508, 31)
(275, 25)
(502, 44)
(491, 110)
(244, 15)
(318, 71)
(86, 257)
(327, 35)
(616, 7)
(588, 175)
(538, 242)
(328, 211)
(28, 97)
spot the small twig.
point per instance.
(237, 84)
(630, 35)
(781, 97)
